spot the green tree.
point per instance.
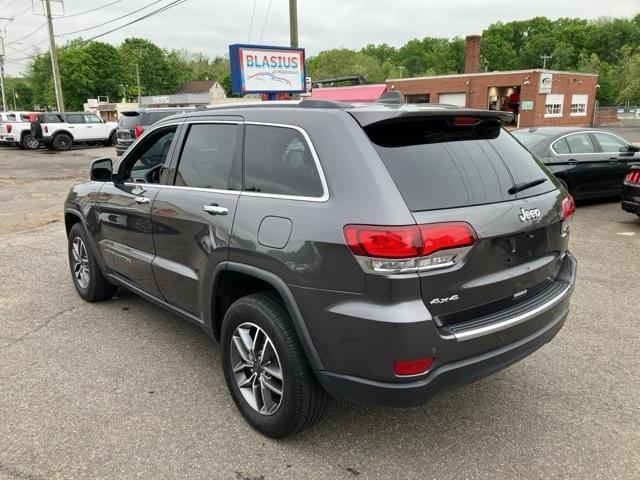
(629, 74)
(18, 93)
(156, 74)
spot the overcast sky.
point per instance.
(209, 26)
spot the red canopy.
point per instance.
(357, 93)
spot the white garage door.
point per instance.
(459, 99)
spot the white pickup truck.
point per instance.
(15, 129)
(59, 131)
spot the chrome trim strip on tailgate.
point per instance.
(504, 324)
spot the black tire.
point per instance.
(303, 400)
(62, 142)
(565, 185)
(97, 288)
(113, 138)
(29, 142)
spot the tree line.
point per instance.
(607, 46)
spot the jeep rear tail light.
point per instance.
(137, 131)
(568, 209)
(408, 249)
(46, 129)
(8, 127)
(633, 176)
(412, 367)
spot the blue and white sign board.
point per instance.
(261, 69)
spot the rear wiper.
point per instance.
(518, 187)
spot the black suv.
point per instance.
(376, 253)
(133, 122)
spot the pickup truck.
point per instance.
(15, 129)
(59, 131)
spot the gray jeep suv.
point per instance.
(374, 253)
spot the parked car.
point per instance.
(631, 190)
(15, 129)
(59, 131)
(376, 254)
(588, 162)
(134, 122)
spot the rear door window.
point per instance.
(580, 143)
(279, 161)
(75, 118)
(208, 156)
(436, 164)
(561, 147)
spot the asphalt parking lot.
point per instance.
(122, 389)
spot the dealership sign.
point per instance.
(260, 69)
(546, 82)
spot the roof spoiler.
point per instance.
(367, 117)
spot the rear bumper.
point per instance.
(122, 147)
(342, 387)
(511, 343)
(631, 199)
(8, 138)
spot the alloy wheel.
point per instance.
(32, 143)
(256, 368)
(80, 261)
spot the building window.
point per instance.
(419, 98)
(553, 105)
(579, 105)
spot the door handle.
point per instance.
(142, 200)
(613, 159)
(215, 210)
(572, 160)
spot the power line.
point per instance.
(108, 21)
(9, 4)
(266, 17)
(91, 10)
(175, 3)
(28, 34)
(253, 13)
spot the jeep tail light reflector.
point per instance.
(412, 367)
(408, 249)
(137, 131)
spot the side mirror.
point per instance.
(101, 170)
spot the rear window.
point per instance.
(149, 118)
(129, 120)
(436, 164)
(528, 138)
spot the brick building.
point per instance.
(537, 97)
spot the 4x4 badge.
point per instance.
(529, 215)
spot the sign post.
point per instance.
(266, 70)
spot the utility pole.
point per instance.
(544, 60)
(54, 58)
(293, 23)
(138, 80)
(4, 98)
